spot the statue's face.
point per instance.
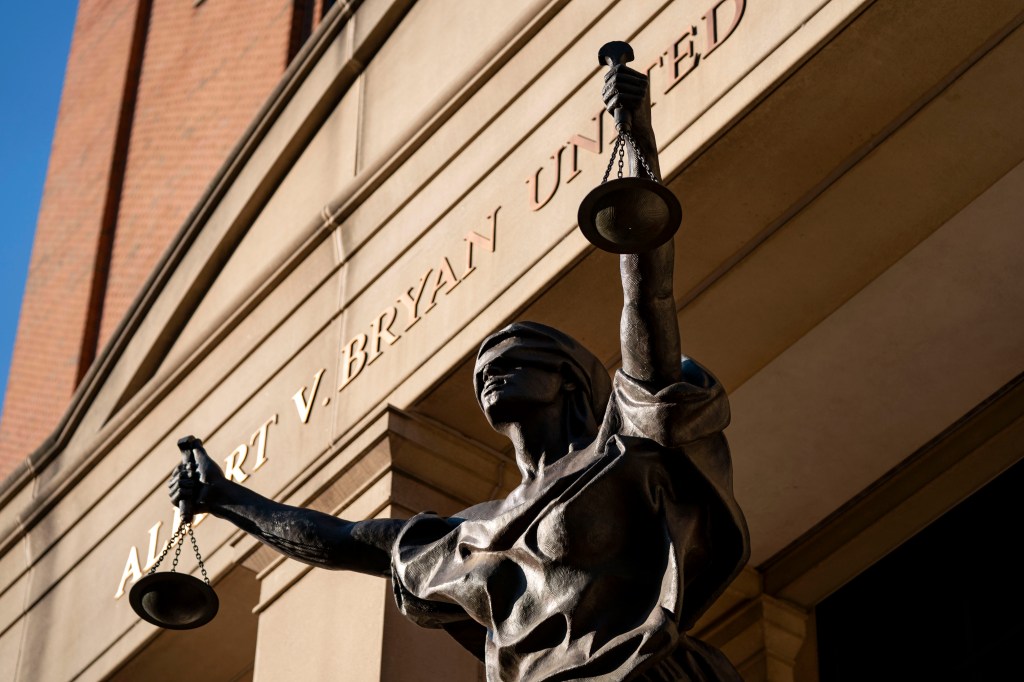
(513, 389)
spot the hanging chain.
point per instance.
(177, 548)
(619, 151)
(611, 160)
(639, 157)
(176, 541)
(199, 558)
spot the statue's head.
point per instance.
(527, 364)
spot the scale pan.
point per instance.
(174, 601)
(629, 215)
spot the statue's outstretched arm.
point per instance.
(303, 534)
(649, 331)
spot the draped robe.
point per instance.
(597, 570)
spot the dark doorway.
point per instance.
(946, 605)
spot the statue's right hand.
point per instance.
(199, 481)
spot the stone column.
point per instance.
(767, 639)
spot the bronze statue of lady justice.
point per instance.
(624, 528)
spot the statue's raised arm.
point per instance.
(649, 332)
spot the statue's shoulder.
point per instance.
(482, 511)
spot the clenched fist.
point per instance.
(198, 482)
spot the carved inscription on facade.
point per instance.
(677, 61)
(394, 322)
(384, 330)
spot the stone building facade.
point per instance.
(310, 237)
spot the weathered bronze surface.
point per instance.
(623, 530)
(628, 214)
(172, 600)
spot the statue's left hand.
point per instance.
(624, 87)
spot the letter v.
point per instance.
(301, 404)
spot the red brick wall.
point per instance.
(205, 71)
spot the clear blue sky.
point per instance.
(34, 42)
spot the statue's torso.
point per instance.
(594, 570)
(579, 573)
